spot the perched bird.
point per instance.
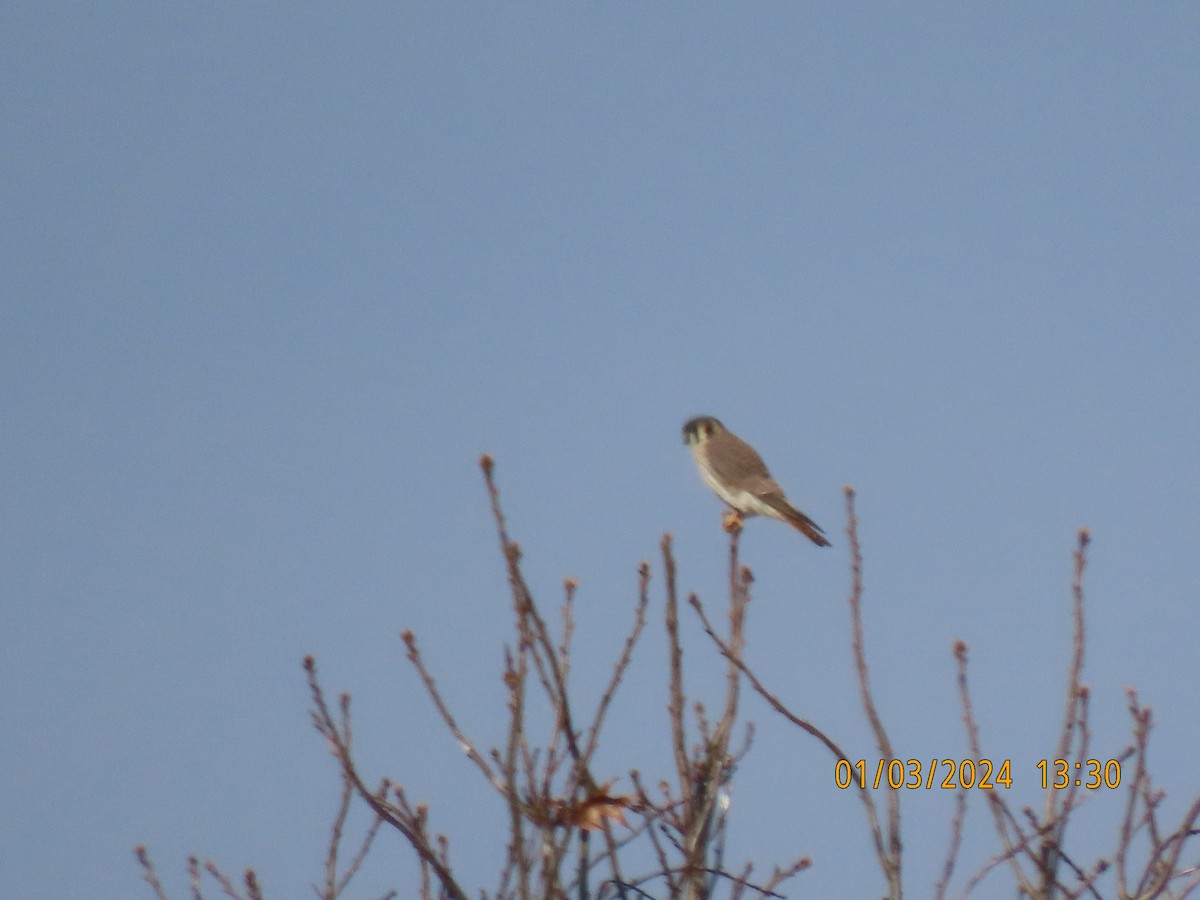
(737, 474)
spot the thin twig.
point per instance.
(193, 868)
(803, 724)
(330, 891)
(148, 873)
(364, 848)
(676, 701)
(402, 821)
(623, 661)
(223, 880)
(1049, 862)
(523, 601)
(1001, 815)
(891, 860)
(414, 656)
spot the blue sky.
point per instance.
(273, 277)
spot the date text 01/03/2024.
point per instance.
(916, 774)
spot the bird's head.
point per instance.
(698, 430)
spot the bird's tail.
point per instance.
(797, 519)
(806, 526)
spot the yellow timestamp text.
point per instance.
(914, 774)
(1086, 773)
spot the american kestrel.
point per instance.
(737, 474)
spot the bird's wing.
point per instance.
(736, 462)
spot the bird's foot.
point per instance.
(732, 521)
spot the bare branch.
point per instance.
(414, 656)
(1071, 721)
(622, 663)
(676, 703)
(404, 822)
(148, 873)
(890, 860)
(1001, 815)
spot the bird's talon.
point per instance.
(732, 521)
